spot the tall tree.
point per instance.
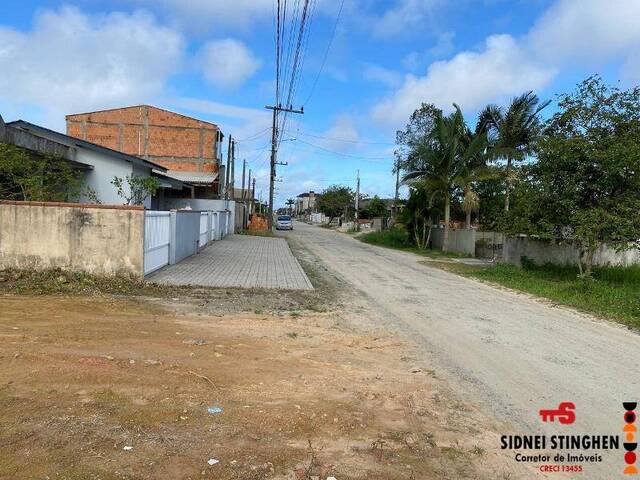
(335, 201)
(512, 132)
(290, 202)
(443, 157)
(585, 187)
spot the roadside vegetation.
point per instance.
(205, 300)
(572, 178)
(612, 292)
(399, 239)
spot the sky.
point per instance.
(368, 64)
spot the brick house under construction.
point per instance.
(189, 148)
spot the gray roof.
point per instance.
(77, 142)
(194, 178)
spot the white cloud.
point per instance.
(341, 136)
(405, 16)
(587, 30)
(203, 14)
(444, 45)
(471, 79)
(227, 63)
(72, 62)
(222, 109)
(588, 33)
(378, 74)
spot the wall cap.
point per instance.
(71, 205)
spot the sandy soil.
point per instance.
(303, 396)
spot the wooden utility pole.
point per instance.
(358, 203)
(395, 198)
(274, 153)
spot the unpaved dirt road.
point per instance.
(507, 352)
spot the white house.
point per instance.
(99, 164)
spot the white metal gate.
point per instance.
(157, 237)
(204, 229)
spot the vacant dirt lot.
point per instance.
(302, 397)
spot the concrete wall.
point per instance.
(489, 244)
(544, 251)
(461, 241)
(203, 204)
(102, 240)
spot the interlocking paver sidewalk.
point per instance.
(239, 261)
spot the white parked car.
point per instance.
(284, 222)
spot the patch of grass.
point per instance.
(399, 239)
(57, 281)
(614, 292)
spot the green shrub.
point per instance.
(394, 238)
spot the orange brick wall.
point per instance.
(169, 139)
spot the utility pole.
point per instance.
(244, 204)
(248, 187)
(358, 203)
(253, 194)
(274, 153)
(395, 198)
(227, 171)
(233, 170)
(244, 167)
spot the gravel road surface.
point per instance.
(504, 351)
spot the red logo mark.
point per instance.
(564, 414)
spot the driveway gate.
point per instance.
(157, 238)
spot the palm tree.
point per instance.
(512, 132)
(290, 203)
(443, 159)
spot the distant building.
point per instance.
(306, 203)
(190, 149)
(239, 194)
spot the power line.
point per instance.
(326, 53)
(298, 58)
(339, 139)
(254, 136)
(341, 153)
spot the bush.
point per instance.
(613, 292)
(394, 238)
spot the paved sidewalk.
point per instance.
(239, 261)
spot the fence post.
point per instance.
(209, 226)
(172, 238)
